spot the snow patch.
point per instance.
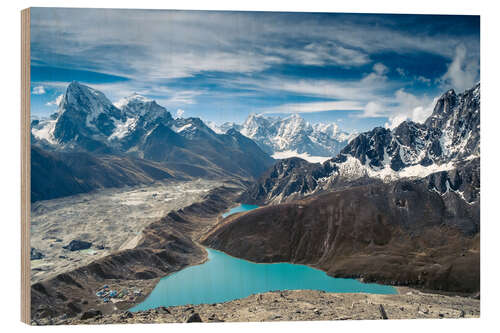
(44, 131)
(353, 169)
(180, 129)
(213, 126)
(293, 153)
(122, 128)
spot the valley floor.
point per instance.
(304, 305)
(111, 219)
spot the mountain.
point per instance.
(291, 136)
(140, 116)
(448, 139)
(137, 127)
(85, 118)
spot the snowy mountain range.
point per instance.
(291, 136)
(449, 139)
(136, 126)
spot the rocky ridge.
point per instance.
(448, 139)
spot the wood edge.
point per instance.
(25, 168)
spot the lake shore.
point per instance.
(299, 305)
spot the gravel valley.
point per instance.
(111, 219)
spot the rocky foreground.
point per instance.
(300, 305)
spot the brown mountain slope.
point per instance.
(399, 233)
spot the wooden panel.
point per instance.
(25, 166)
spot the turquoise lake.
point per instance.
(240, 208)
(223, 278)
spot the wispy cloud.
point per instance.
(38, 90)
(177, 44)
(179, 113)
(117, 90)
(56, 101)
(316, 107)
(344, 62)
(462, 72)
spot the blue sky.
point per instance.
(357, 70)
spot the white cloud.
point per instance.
(315, 107)
(373, 109)
(409, 107)
(38, 90)
(320, 54)
(57, 101)
(380, 68)
(395, 120)
(463, 71)
(361, 91)
(118, 90)
(179, 113)
(182, 97)
(177, 44)
(401, 72)
(423, 79)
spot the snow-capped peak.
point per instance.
(86, 99)
(292, 134)
(136, 106)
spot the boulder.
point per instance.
(76, 245)
(90, 314)
(194, 318)
(36, 254)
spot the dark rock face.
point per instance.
(194, 318)
(397, 233)
(463, 180)
(76, 245)
(90, 314)
(84, 115)
(36, 254)
(370, 146)
(289, 177)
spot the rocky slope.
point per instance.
(404, 232)
(303, 305)
(58, 174)
(448, 138)
(291, 135)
